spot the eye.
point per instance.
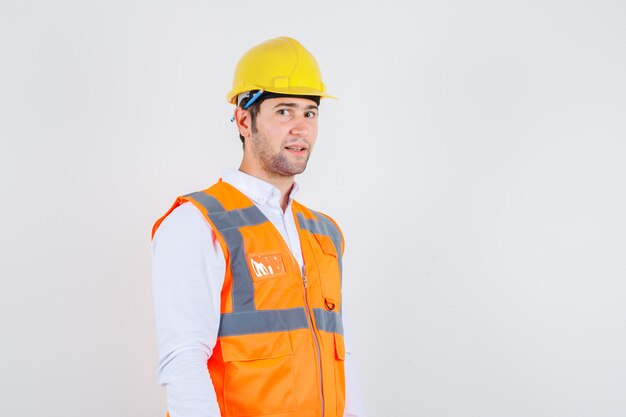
(283, 112)
(310, 114)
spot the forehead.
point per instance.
(297, 102)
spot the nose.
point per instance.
(300, 127)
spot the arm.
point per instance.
(354, 401)
(188, 273)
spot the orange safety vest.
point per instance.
(280, 349)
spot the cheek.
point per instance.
(313, 133)
(273, 132)
(276, 136)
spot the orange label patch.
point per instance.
(267, 266)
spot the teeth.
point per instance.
(295, 149)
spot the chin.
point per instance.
(292, 172)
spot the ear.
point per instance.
(244, 122)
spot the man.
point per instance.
(247, 281)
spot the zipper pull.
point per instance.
(304, 276)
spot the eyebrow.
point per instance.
(294, 105)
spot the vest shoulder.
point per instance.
(219, 197)
(314, 214)
(217, 189)
(180, 201)
(319, 223)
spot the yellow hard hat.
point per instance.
(280, 65)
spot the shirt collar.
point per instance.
(257, 190)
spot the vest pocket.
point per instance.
(328, 262)
(259, 375)
(327, 245)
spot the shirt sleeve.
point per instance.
(354, 401)
(188, 274)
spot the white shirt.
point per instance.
(188, 274)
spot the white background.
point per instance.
(475, 159)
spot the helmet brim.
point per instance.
(295, 91)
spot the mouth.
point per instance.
(297, 148)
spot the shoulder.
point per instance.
(327, 218)
(185, 222)
(318, 222)
(315, 214)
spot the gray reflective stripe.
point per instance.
(249, 216)
(323, 226)
(222, 219)
(328, 321)
(263, 321)
(243, 286)
(210, 203)
(228, 223)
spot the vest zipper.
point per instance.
(317, 344)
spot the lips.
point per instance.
(297, 147)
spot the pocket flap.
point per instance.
(340, 349)
(328, 247)
(255, 346)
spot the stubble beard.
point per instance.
(277, 164)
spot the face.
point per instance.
(284, 134)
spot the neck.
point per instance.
(282, 182)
